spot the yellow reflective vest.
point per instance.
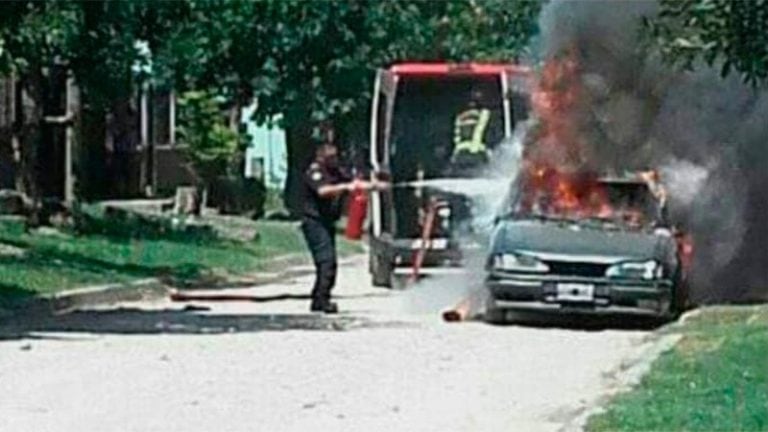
(469, 131)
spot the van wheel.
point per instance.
(381, 271)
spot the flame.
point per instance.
(551, 191)
(685, 248)
(556, 98)
(558, 178)
(654, 183)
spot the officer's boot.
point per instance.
(321, 294)
(324, 305)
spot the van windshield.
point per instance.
(424, 120)
(421, 144)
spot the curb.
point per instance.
(141, 290)
(151, 289)
(67, 301)
(628, 375)
(295, 266)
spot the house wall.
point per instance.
(171, 170)
(139, 156)
(267, 146)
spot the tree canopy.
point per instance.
(307, 60)
(314, 60)
(729, 34)
(282, 51)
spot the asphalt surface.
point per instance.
(387, 363)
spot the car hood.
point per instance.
(572, 241)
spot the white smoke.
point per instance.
(487, 193)
(444, 291)
(684, 179)
(488, 190)
(503, 170)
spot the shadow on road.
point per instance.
(191, 320)
(212, 296)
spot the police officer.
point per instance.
(324, 185)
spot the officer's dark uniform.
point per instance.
(320, 215)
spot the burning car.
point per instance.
(576, 243)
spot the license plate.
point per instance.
(575, 292)
(431, 244)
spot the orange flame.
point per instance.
(556, 99)
(685, 248)
(551, 191)
(556, 159)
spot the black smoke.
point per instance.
(708, 135)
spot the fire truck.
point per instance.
(413, 229)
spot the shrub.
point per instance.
(124, 224)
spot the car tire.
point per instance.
(681, 301)
(493, 314)
(680, 296)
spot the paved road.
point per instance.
(387, 364)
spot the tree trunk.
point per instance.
(6, 159)
(7, 175)
(300, 150)
(124, 137)
(29, 105)
(93, 182)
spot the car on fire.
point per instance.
(586, 245)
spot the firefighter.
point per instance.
(469, 135)
(324, 185)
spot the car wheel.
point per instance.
(681, 301)
(493, 314)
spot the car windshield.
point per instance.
(621, 203)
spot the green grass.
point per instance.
(52, 263)
(715, 379)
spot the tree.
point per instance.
(325, 54)
(211, 143)
(119, 50)
(95, 42)
(34, 38)
(730, 34)
(309, 61)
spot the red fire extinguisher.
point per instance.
(357, 207)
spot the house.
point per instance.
(266, 156)
(128, 152)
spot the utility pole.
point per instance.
(72, 102)
(147, 142)
(67, 121)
